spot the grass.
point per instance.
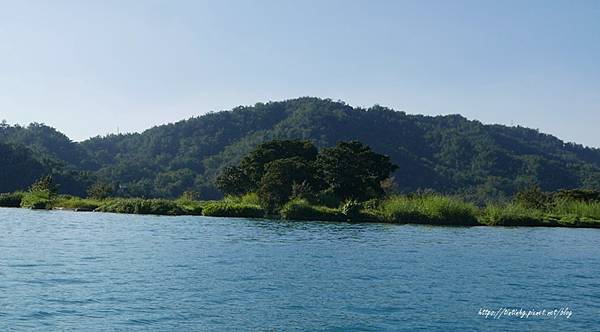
(142, 206)
(511, 215)
(425, 209)
(231, 209)
(191, 207)
(569, 213)
(583, 210)
(76, 203)
(249, 198)
(430, 209)
(300, 209)
(37, 200)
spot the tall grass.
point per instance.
(300, 209)
(37, 200)
(76, 203)
(190, 205)
(582, 210)
(141, 206)
(561, 213)
(249, 199)
(511, 215)
(430, 209)
(420, 209)
(229, 209)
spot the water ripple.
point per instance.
(70, 271)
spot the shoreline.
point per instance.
(546, 223)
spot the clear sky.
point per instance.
(90, 67)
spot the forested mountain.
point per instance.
(448, 154)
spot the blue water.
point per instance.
(93, 271)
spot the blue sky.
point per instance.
(88, 67)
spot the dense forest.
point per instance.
(446, 154)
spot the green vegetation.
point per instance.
(448, 154)
(293, 180)
(248, 198)
(142, 206)
(317, 170)
(511, 215)
(429, 209)
(279, 171)
(100, 190)
(300, 209)
(37, 200)
(228, 209)
(75, 203)
(11, 199)
(533, 207)
(580, 209)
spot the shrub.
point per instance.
(533, 198)
(193, 208)
(190, 195)
(37, 200)
(583, 195)
(434, 209)
(45, 183)
(303, 190)
(228, 209)
(189, 203)
(248, 198)
(372, 204)
(327, 198)
(11, 199)
(100, 190)
(352, 210)
(300, 209)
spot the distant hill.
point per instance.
(449, 154)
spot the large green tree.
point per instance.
(254, 164)
(18, 168)
(233, 181)
(353, 171)
(280, 177)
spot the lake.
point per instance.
(96, 271)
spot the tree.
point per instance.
(44, 184)
(100, 190)
(254, 164)
(281, 177)
(190, 195)
(19, 168)
(533, 198)
(352, 171)
(233, 181)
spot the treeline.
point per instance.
(445, 154)
(293, 179)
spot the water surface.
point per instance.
(95, 271)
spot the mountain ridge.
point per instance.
(447, 153)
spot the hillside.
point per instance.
(448, 154)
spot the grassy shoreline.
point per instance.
(430, 210)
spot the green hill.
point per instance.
(448, 154)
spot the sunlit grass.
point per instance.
(430, 209)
